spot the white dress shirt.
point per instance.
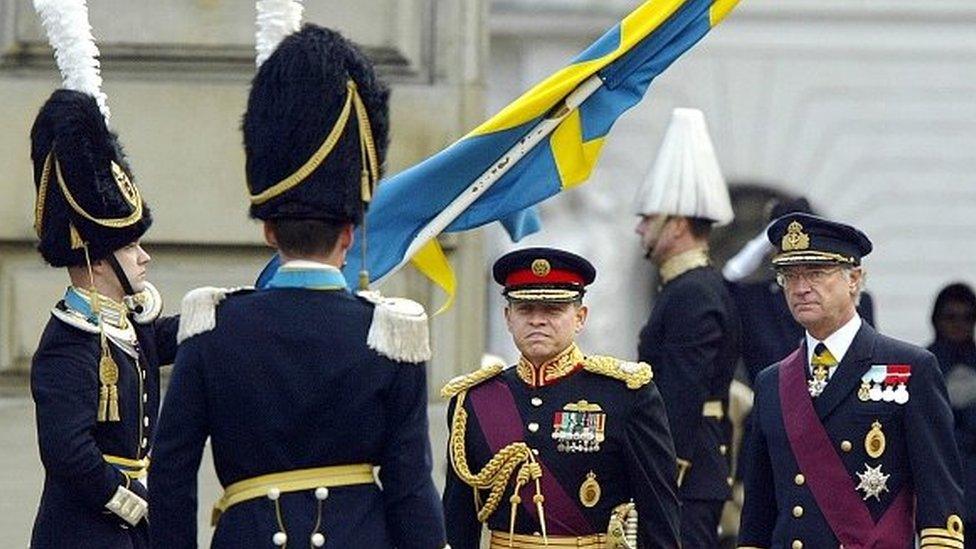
(837, 343)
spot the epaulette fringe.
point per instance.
(467, 381)
(634, 374)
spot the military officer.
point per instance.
(852, 444)
(95, 373)
(563, 449)
(769, 331)
(303, 388)
(692, 335)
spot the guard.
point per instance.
(304, 389)
(692, 335)
(95, 373)
(562, 449)
(852, 442)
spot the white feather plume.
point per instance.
(69, 33)
(276, 19)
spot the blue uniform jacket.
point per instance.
(692, 340)
(635, 462)
(286, 381)
(78, 482)
(780, 510)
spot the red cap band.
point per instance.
(554, 276)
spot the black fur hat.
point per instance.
(295, 100)
(73, 149)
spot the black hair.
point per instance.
(305, 237)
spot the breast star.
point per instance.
(873, 482)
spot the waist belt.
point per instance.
(292, 481)
(132, 468)
(500, 540)
(713, 408)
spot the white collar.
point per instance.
(838, 342)
(305, 264)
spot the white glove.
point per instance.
(748, 259)
(129, 506)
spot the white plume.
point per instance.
(276, 19)
(69, 33)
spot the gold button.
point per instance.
(723, 449)
(846, 446)
(533, 427)
(797, 544)
(798, 511)
(536, 401)
(799, 479)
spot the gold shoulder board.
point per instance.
(467, 381)
(634, 374)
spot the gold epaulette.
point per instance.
(634, 374)
(951, 536)
(467, 381)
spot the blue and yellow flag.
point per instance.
(546, 141)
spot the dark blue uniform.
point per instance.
(952, 357)
(78, 482)
(692, 340)
(633, 462)
(906, 449)
(285, 381)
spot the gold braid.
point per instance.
(497, 472)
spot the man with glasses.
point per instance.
(852, 442)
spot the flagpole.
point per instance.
(498, 169)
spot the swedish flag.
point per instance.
(546, 141)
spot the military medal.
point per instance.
(885, 383)
(819, 381)
(589, 492)
(579, 427)
(873, 482)
(864, 392)
(874, 442)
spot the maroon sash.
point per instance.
(831, 484)
(499, 419)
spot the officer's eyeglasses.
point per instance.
(814, 277)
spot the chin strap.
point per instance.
(123, 280)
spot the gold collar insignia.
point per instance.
(560, 366)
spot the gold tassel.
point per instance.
(108, 376)
(76, 240)
(113, 403)
(366, 187)
(103, 403)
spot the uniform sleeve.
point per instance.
(165, 329)
(65, 389)
(683, 364)
(759, 508)
(463, 527)
(413, 513)
(932, 451)
(650, 463)
(180, 438)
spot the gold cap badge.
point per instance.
(541, 267)
(795, 238)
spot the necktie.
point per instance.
(822, 362)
